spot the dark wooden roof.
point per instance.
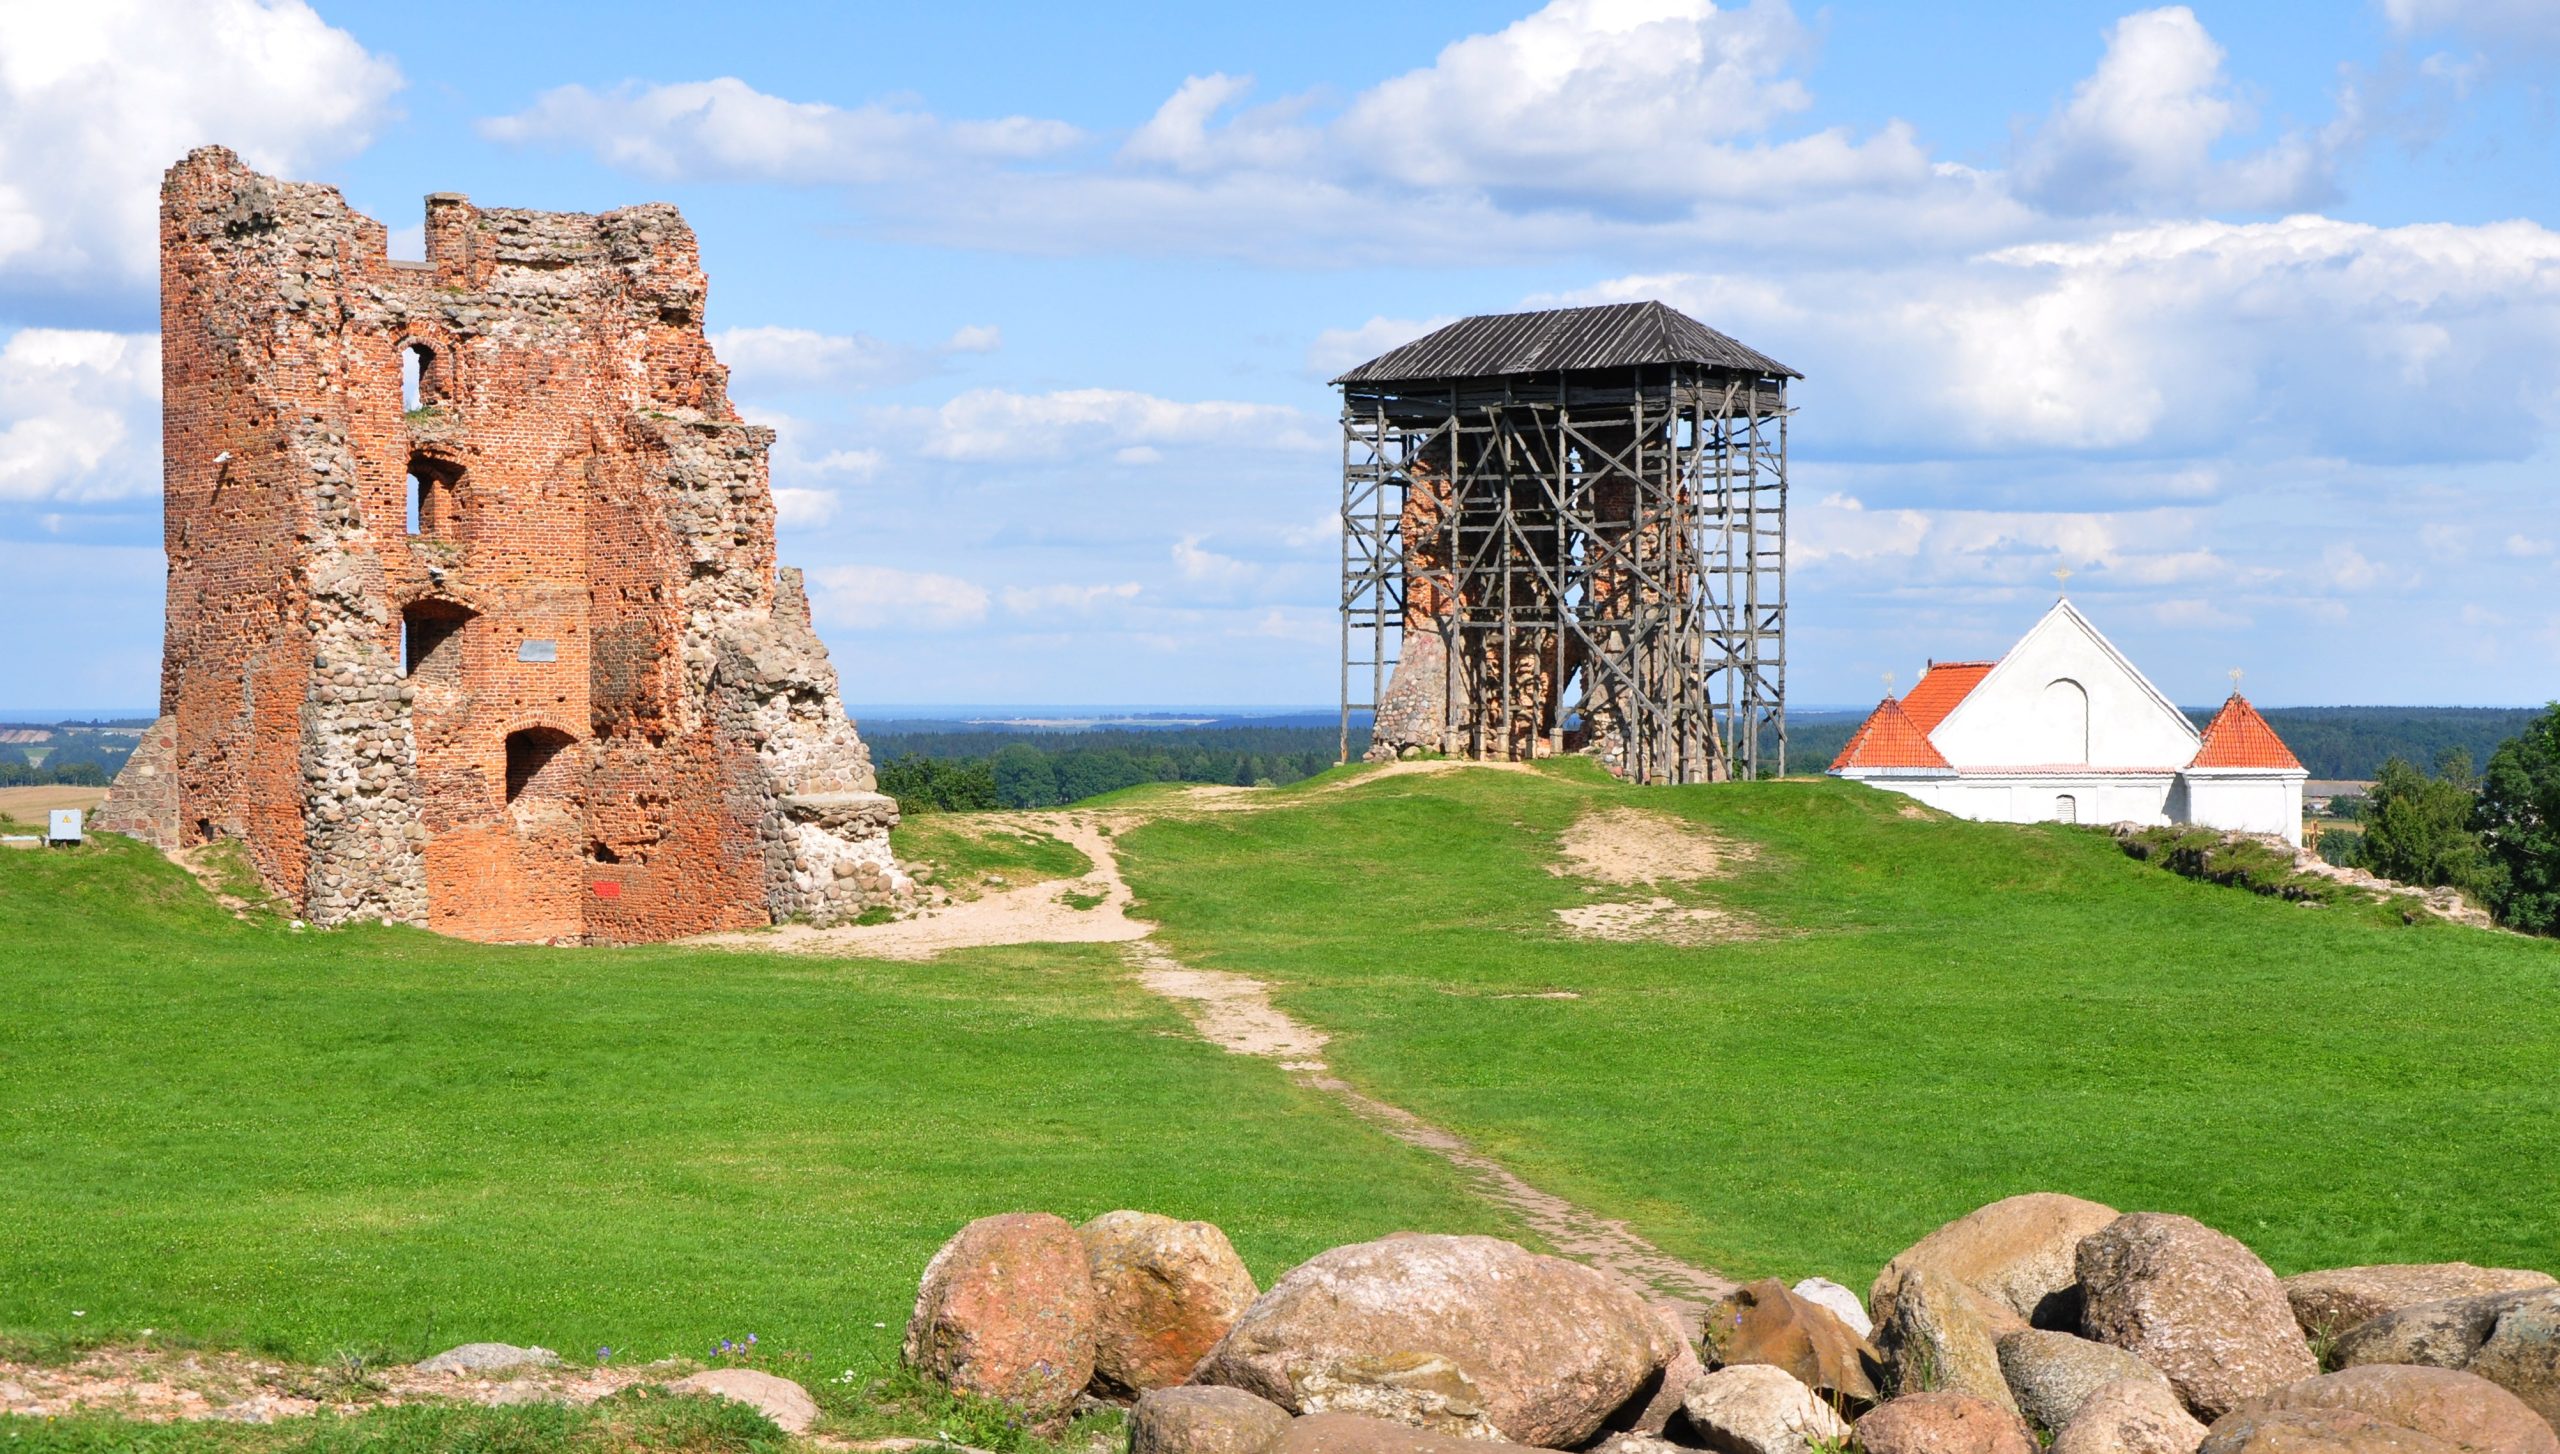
(1615, 335)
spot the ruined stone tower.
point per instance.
(473, 617)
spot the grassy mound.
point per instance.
(1925, 1015)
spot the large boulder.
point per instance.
(1944, 1423)
(2194, 1304)
(2131, 1416)
(1651, 1411)
(2317, 1431)
(2435, 1335)
(2460, 1408)
(1942, 1336)
(2511, 1339)
(1201, 1420)
(1766, 1322)
(1636, 1444)
(2331, 1302)
(1165, 1292)
(2522, 1354)
(1355, 1434)
(1552, 1347)
(1754, 1408)
(1838, 1299)
(488, 1358)
(775, 1397)
(2052, 1374)
(2018, 1251)
(1006, 1312)
(1421, 1390)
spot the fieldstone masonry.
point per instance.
(500, 647)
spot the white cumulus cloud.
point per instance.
(985, 424)
(888, 598)
(725, 128)
(1039, 601)
(807, 508)
(97, 98)
(79, 415)
(2141, 132)
(2308, 335)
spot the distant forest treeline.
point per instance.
(2333, 742)
(930, 766)
(947, 771)
(73, 758)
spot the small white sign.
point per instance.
(538, 650)
(64, 827)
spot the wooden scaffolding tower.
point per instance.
(1566, 531)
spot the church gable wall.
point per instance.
(2065, 697)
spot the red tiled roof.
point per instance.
(1940, 689)
(2238, 737)
(1888, 739)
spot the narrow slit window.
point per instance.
(417, 365)
(435, 498)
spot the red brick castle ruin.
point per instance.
(473, 617)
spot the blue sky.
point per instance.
(2249, 315)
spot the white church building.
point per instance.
(2064, 729)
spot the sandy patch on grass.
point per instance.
(1654, 921)
(1041, 913)
(1230, 1011)
(1209, 798)
(1632, 846)
(157, 1385)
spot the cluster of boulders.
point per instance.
(2038, 1319)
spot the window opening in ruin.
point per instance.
(417, 365)
(431, 642)
(435, 498)
(537, 765)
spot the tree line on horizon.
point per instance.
(949, 772)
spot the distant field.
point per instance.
(31, 804)
(1938, 1014)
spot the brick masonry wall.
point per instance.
(617, 725)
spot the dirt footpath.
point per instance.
(1041, 913)
(1235, 1012)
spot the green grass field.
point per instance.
(965, 851)
(383, 1142)
(1942, 1013)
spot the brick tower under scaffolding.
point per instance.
(1567, 531)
